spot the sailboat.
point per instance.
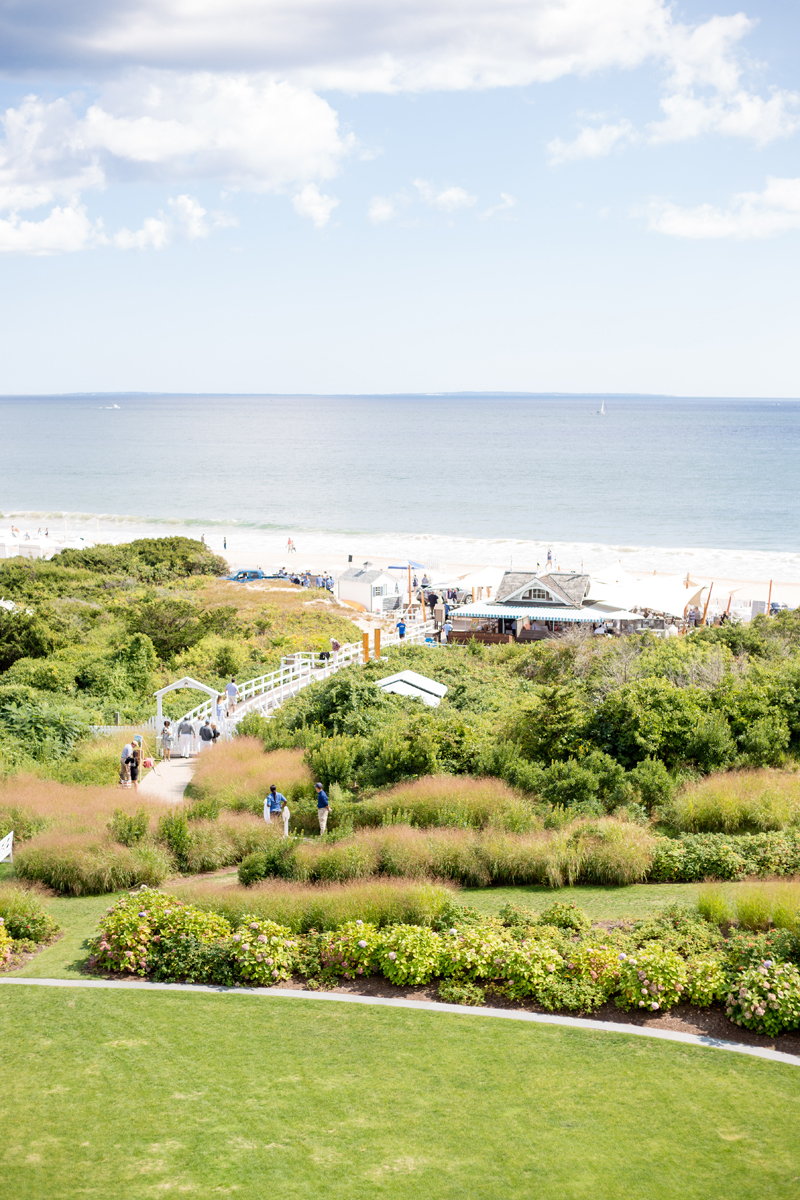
(601, 412)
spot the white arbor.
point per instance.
(212, 693)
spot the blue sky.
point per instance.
(351, 196)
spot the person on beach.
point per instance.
(272, 805)
(232, 693)
(166, 742)
(185, 734)
(124, 773)
(401, 628)
(323, 807)
(549, 558)
(285, 814)
(206, 736)
(224, 543)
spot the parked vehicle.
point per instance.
(246, 576)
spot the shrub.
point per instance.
(694, 857)
(409, 954)
(85, 865)
(24, 916)
(766, 998)
(450, 992)
(351, 950)
(738, 802)
(129, 828)
(136, 922)
(203, 808)
(474, 953)
(653, 782)
(597, 965)
(565, 914)
(526, 970)
(191, 960)
(173, 831)
(745, 950)
(264, 951)
(6, 945)
(653, 978)
(301, 908)
(277, 860)
(706, 982)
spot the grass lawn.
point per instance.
(130, 1095)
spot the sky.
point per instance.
(357, 196)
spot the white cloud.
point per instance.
(154, 234)
(591, 142)
(750, 214)
(448, 200)
(507, 202)
(310, 202)
(63, 231)
(381, 208)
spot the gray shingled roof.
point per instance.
(359, 575)
(569, 589)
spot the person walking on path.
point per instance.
(323, 807)
(215, 733)
(285, 814)
(185, 733)
(272, 805)
(220, 709)
(336, 646)
(166, 742)
(124, 773)
(232, 693)
(206, 735)
(401, 629)
(446, 628)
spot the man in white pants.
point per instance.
(185, 734)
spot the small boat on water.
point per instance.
(601, 412)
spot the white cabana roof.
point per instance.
(516, 612)
(418, 687)
(661, 593)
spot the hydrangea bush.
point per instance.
(766, 998)
(707, 981)
(409, 954)
(5, 943)
(474, 952)
(137, 922)
(652, 979)
(349, 950)
(264, 951)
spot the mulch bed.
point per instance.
(685, 1018)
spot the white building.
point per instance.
(374, 590)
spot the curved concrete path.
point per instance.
(167, 781)
(665, 1035)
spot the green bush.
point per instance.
(409, 955)
(565, 914)
(265, 951)
(766, 998)
(133, 925)
(653, 978)
(694, 857)
(450, 992)
(129, 828)
(276, 861)
(349, 951)
(173, 831)
(24, 916)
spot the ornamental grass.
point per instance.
(460, 801)
(238, 774)
(301, 908)
(85, 864)
(754, 906)
(738, 802)
(29, 805)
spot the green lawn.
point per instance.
(601, 903)
(130, 1095)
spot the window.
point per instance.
(377, 590)
(535, 594)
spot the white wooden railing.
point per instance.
(267, 692)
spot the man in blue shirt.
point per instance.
(323, 807)
(401, 628)
(272, 805)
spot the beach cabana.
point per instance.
(371, 588)
(418, 687)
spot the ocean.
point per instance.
(671, 484)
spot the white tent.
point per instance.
(661, 593)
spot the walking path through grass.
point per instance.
(132, 1093)
(168, 779)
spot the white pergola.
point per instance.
(186, 682)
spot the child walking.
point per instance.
(166, 742)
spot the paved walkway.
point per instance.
(664, 1035)
(167, 781)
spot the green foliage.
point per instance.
(551, 726)
(276, 861)
(23, 634)
(264, 952)
(766, 998)
(654, 978)
(135, 922)
(450, 992)
(653, 783)
(129, 828)
(173, 831)
(147, 559)
(349, 951)
(409, 955)
(694, 857)
(23, 915)
(47, 730)
(565, 915)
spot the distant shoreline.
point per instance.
(403, 395)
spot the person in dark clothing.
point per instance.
(133, 762)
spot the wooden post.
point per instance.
(769, 597)
(365, 645)
(708, 601)
(377, 643)
(730, 600)
(473, 595)
(409, 589)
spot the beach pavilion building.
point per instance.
(369, 588)
(530, 606)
